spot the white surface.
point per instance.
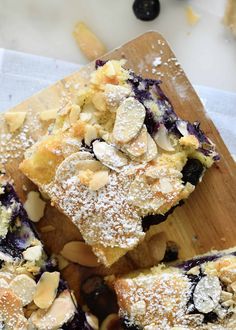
(207, 50)
(22, 75)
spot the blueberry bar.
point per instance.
(32, 294)
(118, 159)
(197, 294)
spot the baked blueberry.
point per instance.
(146, 10)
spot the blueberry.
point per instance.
(192, 171)
(146, 10)
(172, 252)
(100, 299)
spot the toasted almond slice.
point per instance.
(99, 180)
(182, 127)
(14, 120)
(151, 150)
(62, 262)
(6, 257)
(112, 321)
(61, 311)
(46, 289)
(162, 139)
(109, 155)
(76, 162)
(47, 229)
(92, 320)
(88, 42)
(129, 120)
(33, 253)
(34, 206)
(80, 253)
(11, 311)
(138, 146)
(157, 246)
(114, 95)
(24, 287)
(74, 113)
(90, 134)
(85, 116)
(48, 114)
(99, 101)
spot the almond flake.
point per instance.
(109, 155)
(112, 321)
(88, 42)
(206, 295)
(138, 146)
(92, 321)
(99, 101)
(90, 134)
(80, 253)
(129, 120)
(85, 116)
(162, 139)
(60, 312)
(33, 253)
(157, 246)
(47, 229)
(14, 120)
(46, 289)
(151, 150)
(114, 95)
(99, 180)
(34, 206)
(62, 262)
(74, 113)
(48, 114)
(24, 287)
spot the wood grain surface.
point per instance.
(208, 219)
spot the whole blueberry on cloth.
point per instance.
(146, 10)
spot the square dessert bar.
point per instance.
(32, 294)
(118, 159)
(198, 294)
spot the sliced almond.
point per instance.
(114, 95)
(90, 134)
(34, 206)
(109, 155)
(76, 162)
(99, 180)
(112, 321)
(88, 42)
(46, 289)
(47, 229)
(99, 101)
(80, 253)
(129, 120)
(182, 127)
(151, 149)
(33, 253)
(92, 321)
(24, 287)
(74, 113)
(60, 312)
(62, 262)
(48, 115)
(162, 139)
(138, 146)
(157, 246)
(14, 120)
(85, 116)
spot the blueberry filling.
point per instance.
(146, 10)
(99, 63)
(151, 220)
(192, 171)
(100, 299)
(198, 261)
(78, 322)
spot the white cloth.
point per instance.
(22, 75)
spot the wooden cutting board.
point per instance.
(206, 221)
